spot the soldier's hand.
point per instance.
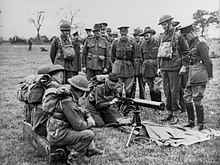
(105, 70)
(182, 70)
(159, 72)
(91, 121)
(84, 69)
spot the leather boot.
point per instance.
(200, 117)
(191, 116)
(152, 95)
(168, 117)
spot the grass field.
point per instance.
(16, 63)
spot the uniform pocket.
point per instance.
(199, 75)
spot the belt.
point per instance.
(123, 59)
(94, 55)
(150, 60)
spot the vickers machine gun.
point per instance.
(134, 106)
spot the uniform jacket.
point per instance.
(67, 116)
(138, 59)
(149, 50)
(95, 53)
(201, 68)
(100, 97)
(123, 55)
(180, 49)
(56, 59)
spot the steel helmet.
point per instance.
(164, 18)
(65, 27)
(55, 68)
(43, 69)
(80, 82)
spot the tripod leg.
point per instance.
(129, 138)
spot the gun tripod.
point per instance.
(136, 123)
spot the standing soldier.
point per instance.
(138, 65)
(172, 47)
(109, 32)
(122, 56)
(200, 72)
(95, 53)
(149, 50)
(77, 42)
(109, 40)
(88, 34)
(62, 52)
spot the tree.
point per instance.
(203, 19)
(67, 14)
(37, 19)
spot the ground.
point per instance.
(16, 63)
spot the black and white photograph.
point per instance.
(110, 82)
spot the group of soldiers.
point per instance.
(178, 57)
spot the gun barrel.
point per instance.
(149, 104)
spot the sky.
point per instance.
(132, 13)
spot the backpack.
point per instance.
(32, 89)
(53, 97)
(67, 51)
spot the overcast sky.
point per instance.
(134, 13)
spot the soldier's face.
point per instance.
(147, 36)
(137, 38)
(165, 26)
(66, 33)
(111, 84)
(97, 33)
(188, 36)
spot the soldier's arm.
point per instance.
(204, 54)
(84, 53)
(184, 50)
(70, 110)
(53, 49)
(113, 51)
(101, 102)
(106, 53)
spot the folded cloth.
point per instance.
(175, 135)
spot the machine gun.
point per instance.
(134, 106)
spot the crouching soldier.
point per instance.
(69, 124)
(101, 99)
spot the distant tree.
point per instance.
(67, 14)
(16, 39)
(203, 19)
(37, 19)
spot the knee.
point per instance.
(89, 134)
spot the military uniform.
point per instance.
(98, 104)
(57, 56)
(94, 55)
(67, 126)
(122, 56)
(170, 67)
(138, 61)
(200, 71)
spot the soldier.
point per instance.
(77, 43)
(200, 72)
(114, 35)
(122, 56)
(138, 65)
(109, 31)
(110, 40)
(101, 100)
(29, 44)
(39, 117)
(62, 52)
(94, 54)
(69, 125)
(172, 47)
(88, 34)
(149, 50)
